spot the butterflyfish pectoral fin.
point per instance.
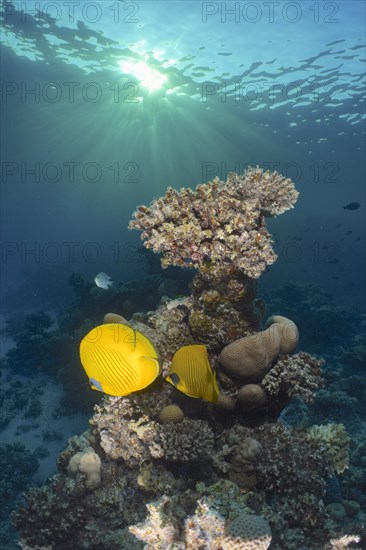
(95, 385)
(173, 378)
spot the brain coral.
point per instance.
(247, 532)
(220, 225)
(171, 413)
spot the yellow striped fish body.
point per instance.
(191, 373)
(118, 359)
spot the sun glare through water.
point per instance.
(149, 78)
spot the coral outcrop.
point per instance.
(220, 230)
(158, 469)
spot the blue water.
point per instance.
(106, 104)
(282, 87)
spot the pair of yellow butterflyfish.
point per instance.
(120, 360)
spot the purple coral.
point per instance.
(220, 226)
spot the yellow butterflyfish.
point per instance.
(191, 373)
(118, 359)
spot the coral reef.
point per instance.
(158, 469)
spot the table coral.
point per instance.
(220, 224)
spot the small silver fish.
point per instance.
(103, 280)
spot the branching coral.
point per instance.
(286, 462)
(220, 225)
(299, 375)
(336, 442)
(121, 436)
(157, 531)
(188, 441)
